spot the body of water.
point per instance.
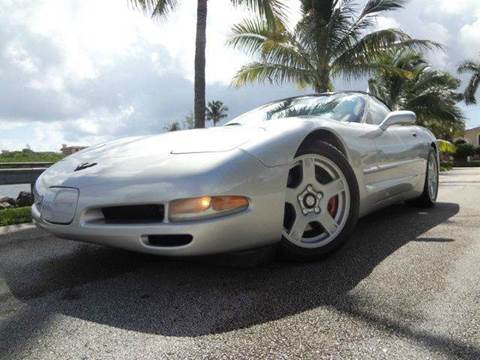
(13, 190)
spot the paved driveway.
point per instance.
(406, 286)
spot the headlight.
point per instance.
(205, 207)
(58, 205)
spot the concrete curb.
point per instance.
(14, 228)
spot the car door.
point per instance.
(413, 163)
(397, 157)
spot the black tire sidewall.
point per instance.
(424, 200)
(330, 152)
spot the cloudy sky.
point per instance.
(86, 71)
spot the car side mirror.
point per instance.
(399, 118)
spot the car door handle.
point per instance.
(414, 134)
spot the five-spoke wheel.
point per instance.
(317, 201)
(321, 200)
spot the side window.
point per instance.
(377, 112)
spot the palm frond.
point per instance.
(251, 34)
(469, 66)
(272, 73)
(374, 7)
(365, 20)
(431, 94)
(471, 89)
(366, 52)
(256, 38)
(155, 8)
(273, 11)
(474, 82)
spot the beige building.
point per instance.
(473, 136)
(69, 150)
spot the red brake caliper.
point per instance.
(333, 206)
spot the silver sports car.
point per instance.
(298, 172)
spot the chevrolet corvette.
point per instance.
(297, 172)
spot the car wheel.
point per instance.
(321, 202)
(430, 188)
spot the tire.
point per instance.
(316, 195)
(429, 196)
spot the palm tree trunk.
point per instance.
(200, 45)
(323, 82)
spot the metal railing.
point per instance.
(16, 165)
(21, 173)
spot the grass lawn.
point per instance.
(15, 216)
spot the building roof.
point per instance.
(475, 129)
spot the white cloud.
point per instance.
(470, 38)
(95, 70)
(455, 7)
(386, 22)
(21, 58)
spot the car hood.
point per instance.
(179, 153)
(146, 156)
(176, 142)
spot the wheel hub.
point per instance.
(309, 200)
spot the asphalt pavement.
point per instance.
(406, 286)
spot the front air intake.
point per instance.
(169, 240)
(130, 214)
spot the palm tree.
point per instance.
(216, 111)
(430, 93)
(472, 87)
(267, 9)
(331, 39)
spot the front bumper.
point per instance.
(259, 225)
(230, 233)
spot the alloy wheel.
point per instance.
(317, 201)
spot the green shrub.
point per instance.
(15, 216)
(463, 151)
(446, 147)
(446, 166)
(30, 156)
(463, 163)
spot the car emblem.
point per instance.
(84, 166)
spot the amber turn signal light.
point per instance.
(205, 206)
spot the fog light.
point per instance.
(205, 207)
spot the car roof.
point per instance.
(358, 92)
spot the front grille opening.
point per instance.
(133, 214)
(169, 240)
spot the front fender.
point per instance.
(278, 145)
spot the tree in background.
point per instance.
(473, 68)
(189, 121)
(463, 151)
(332, 39)
(186, 124)
(216, 111)
(267, 9)
(406, 81)
(173, 126)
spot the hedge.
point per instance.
(15, 216)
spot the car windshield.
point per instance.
(340, 107)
